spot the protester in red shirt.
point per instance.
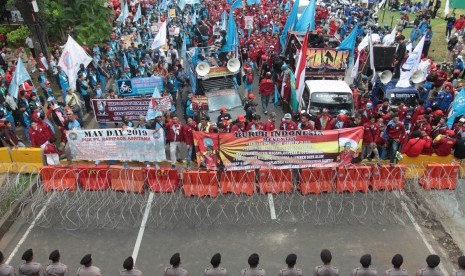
(419, 110)
(443, 144)
(270, 125)
(323, 120)
(340, 122)
(305, 122)
(459, 24)
(256, 124)
(371, 134)
(287, 123)
(188, 130)
(415, 145)
(174, 135)
(395, 134)
(240, 125)
(422, 124)
(266, 89)
(39, 134)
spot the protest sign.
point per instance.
(112, 110)
(139, 86)
(276, 149)
(161, 104)
(117, 144)
(248, 20)
(200, 103)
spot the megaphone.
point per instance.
(417, 77)
(385, 76)
(233, 65)
(202, 69)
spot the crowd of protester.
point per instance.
(88, 268)
(45, 115)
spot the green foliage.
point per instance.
(18, 36)
(4, 29)
(90, 19)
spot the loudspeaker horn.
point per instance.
(234, 65)
(417, 77)
(385, 76)
(202, 69)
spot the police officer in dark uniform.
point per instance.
(460, 271)
(129, 269)
(397, 261)
(365, 270)
(291, 270)
(5, 270)
(175, 269)
(432, 268)
(253, 269)
(216, 270)
(56, 268)
(326, 269)
(30, 268)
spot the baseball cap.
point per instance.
(223, 109)
(240, 118)
(462, 120)
(251, 96)
(287, 116)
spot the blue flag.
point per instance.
(348, 44)
(290, 22)
(138, 14)
(276, 95)
(124, 13)
(184, 47)
(125, 62)
(231, 32)
(306, 21)
(19, 77)
(223, 21)
(236, 4)
(457, 108)
(181, 4)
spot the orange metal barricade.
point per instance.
(58, 178)
(237, 182)
(440, 176)
(353, 178)
(94, 178)
(317, 180)
(162, 180)
(275, 181)
(200, 183)
(127, 180)
(388, 178)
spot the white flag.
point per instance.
(72, 57)
(446, 8)
(389, 39)
(356, 66)
(411, 65)
(138, 14)
(160, 38)
(372, 58)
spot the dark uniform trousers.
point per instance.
(215, 271)
(325, 270)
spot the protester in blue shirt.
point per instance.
(63, 82)
(428, 38)
(415, 36)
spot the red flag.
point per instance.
(300, 70)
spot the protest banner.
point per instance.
(172, 13)
(112, 110)
(139, 86)
(326, 61)
(117, 144)
(161, 104)
(200, 103)
(248, 20)
(126, 41)
(276, 149)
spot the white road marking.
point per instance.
(271, 203)
(135, 252)
(24, 237)
(420, 232)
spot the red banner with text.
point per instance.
(277, 149)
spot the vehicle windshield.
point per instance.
(410, 99)
(335, 102)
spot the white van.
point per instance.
(335, 95)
